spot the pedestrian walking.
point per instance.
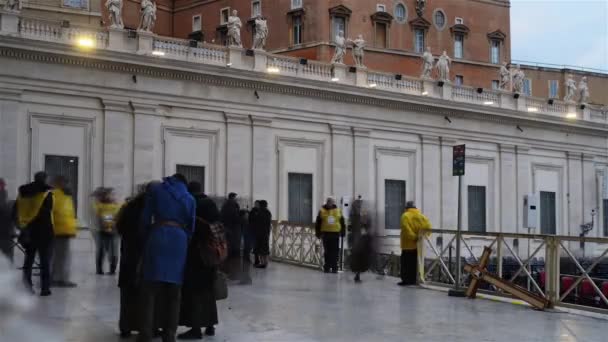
(206, 251)
(231, 218)
(413, 225)
(168, 221)
(261, 225)
(252, 218)
(330, 227)
(106, 209)
(35, 222)
(65, 226)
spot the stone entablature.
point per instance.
(149, 44)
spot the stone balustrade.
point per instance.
(144, 43)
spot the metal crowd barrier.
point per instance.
(546, 264)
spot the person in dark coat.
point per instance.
(252, 217)
(131, 247)
(199, 308)
(231, 218)
(35, 219)
(7, 230)
(261, 224)
(362, 257)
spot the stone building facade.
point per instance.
(135, 109)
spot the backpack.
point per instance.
(214, 248)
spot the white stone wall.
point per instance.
(127, 127)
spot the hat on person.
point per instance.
(410, 205)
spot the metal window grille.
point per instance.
(547, 213)
(394, 203)
(192, 173)
(67, 167)
(458, 45)
(477, 208)
(419, 39)
(300, 197)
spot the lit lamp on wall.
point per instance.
(85, 43)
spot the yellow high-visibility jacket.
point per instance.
(412, 223)
(330, 220)
(29, 207)
(106, 215)
(64, 216)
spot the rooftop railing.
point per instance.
(145, 43)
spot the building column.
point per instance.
(13, 142)
(448, 187)
(118, 147)
(342, 172)
(574, 195)
(508, 198)
(363, 160)
(264, 163)
(590, 191)
(238, 155)
(431, 178)
(147, 163)
(523, 183)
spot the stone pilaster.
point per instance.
(118, 147)
(363, 162)
(431, 178)
(524, 182)
(238, 154)
(574, 194)
(145, 44)
(13, 141)
(264, 162)
(508, 197)
(342, 172)
(590, 189)
(147, 164)
(449, 187)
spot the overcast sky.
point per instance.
(564, 32)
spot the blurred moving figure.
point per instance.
(261, 226)
(65, 226)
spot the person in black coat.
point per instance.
(231, 218)
(261, 225)
(198, 307)
(131, 249)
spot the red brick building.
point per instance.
(475, 34)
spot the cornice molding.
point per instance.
(303, 88)
(116, 106)
(341, 130)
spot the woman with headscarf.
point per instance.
(199, 308)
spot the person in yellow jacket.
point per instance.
(330, 227)
(65, 225)
(34, 216)
(413, 225)
(106, 211)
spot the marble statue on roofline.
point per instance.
(420, 6)
(340, 51)
(358, 50)
(148, 15)
(518, 80)
(443, 67)
(570, 89)
(234, 29)
(505, 76)
(583, 90)
(427, 63)
(114, 8)
(13, 5)
(261, 33)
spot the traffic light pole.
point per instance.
(459, 161)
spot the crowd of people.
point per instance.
(174, 245)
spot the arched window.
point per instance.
(400, 13)
(439, 19)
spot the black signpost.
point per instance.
(458, 170)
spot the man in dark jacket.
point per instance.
(330, 226)
(34, 218)
(231, 218)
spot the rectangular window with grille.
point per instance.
(458, 45)
(64, 166)
(295, 4)
(547, 213)
(338, 24)
(192, 173)
(256, 8)
(224, 14)
(553, 89)
(477, 208)
(495, 84)
(394, 203)
(297, 30)
(300, 197)
(197, 23)
(459, 80)
(527, 87)
(419, 40)
(605, 204)
(495, 52)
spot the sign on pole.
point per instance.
(459, 160)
